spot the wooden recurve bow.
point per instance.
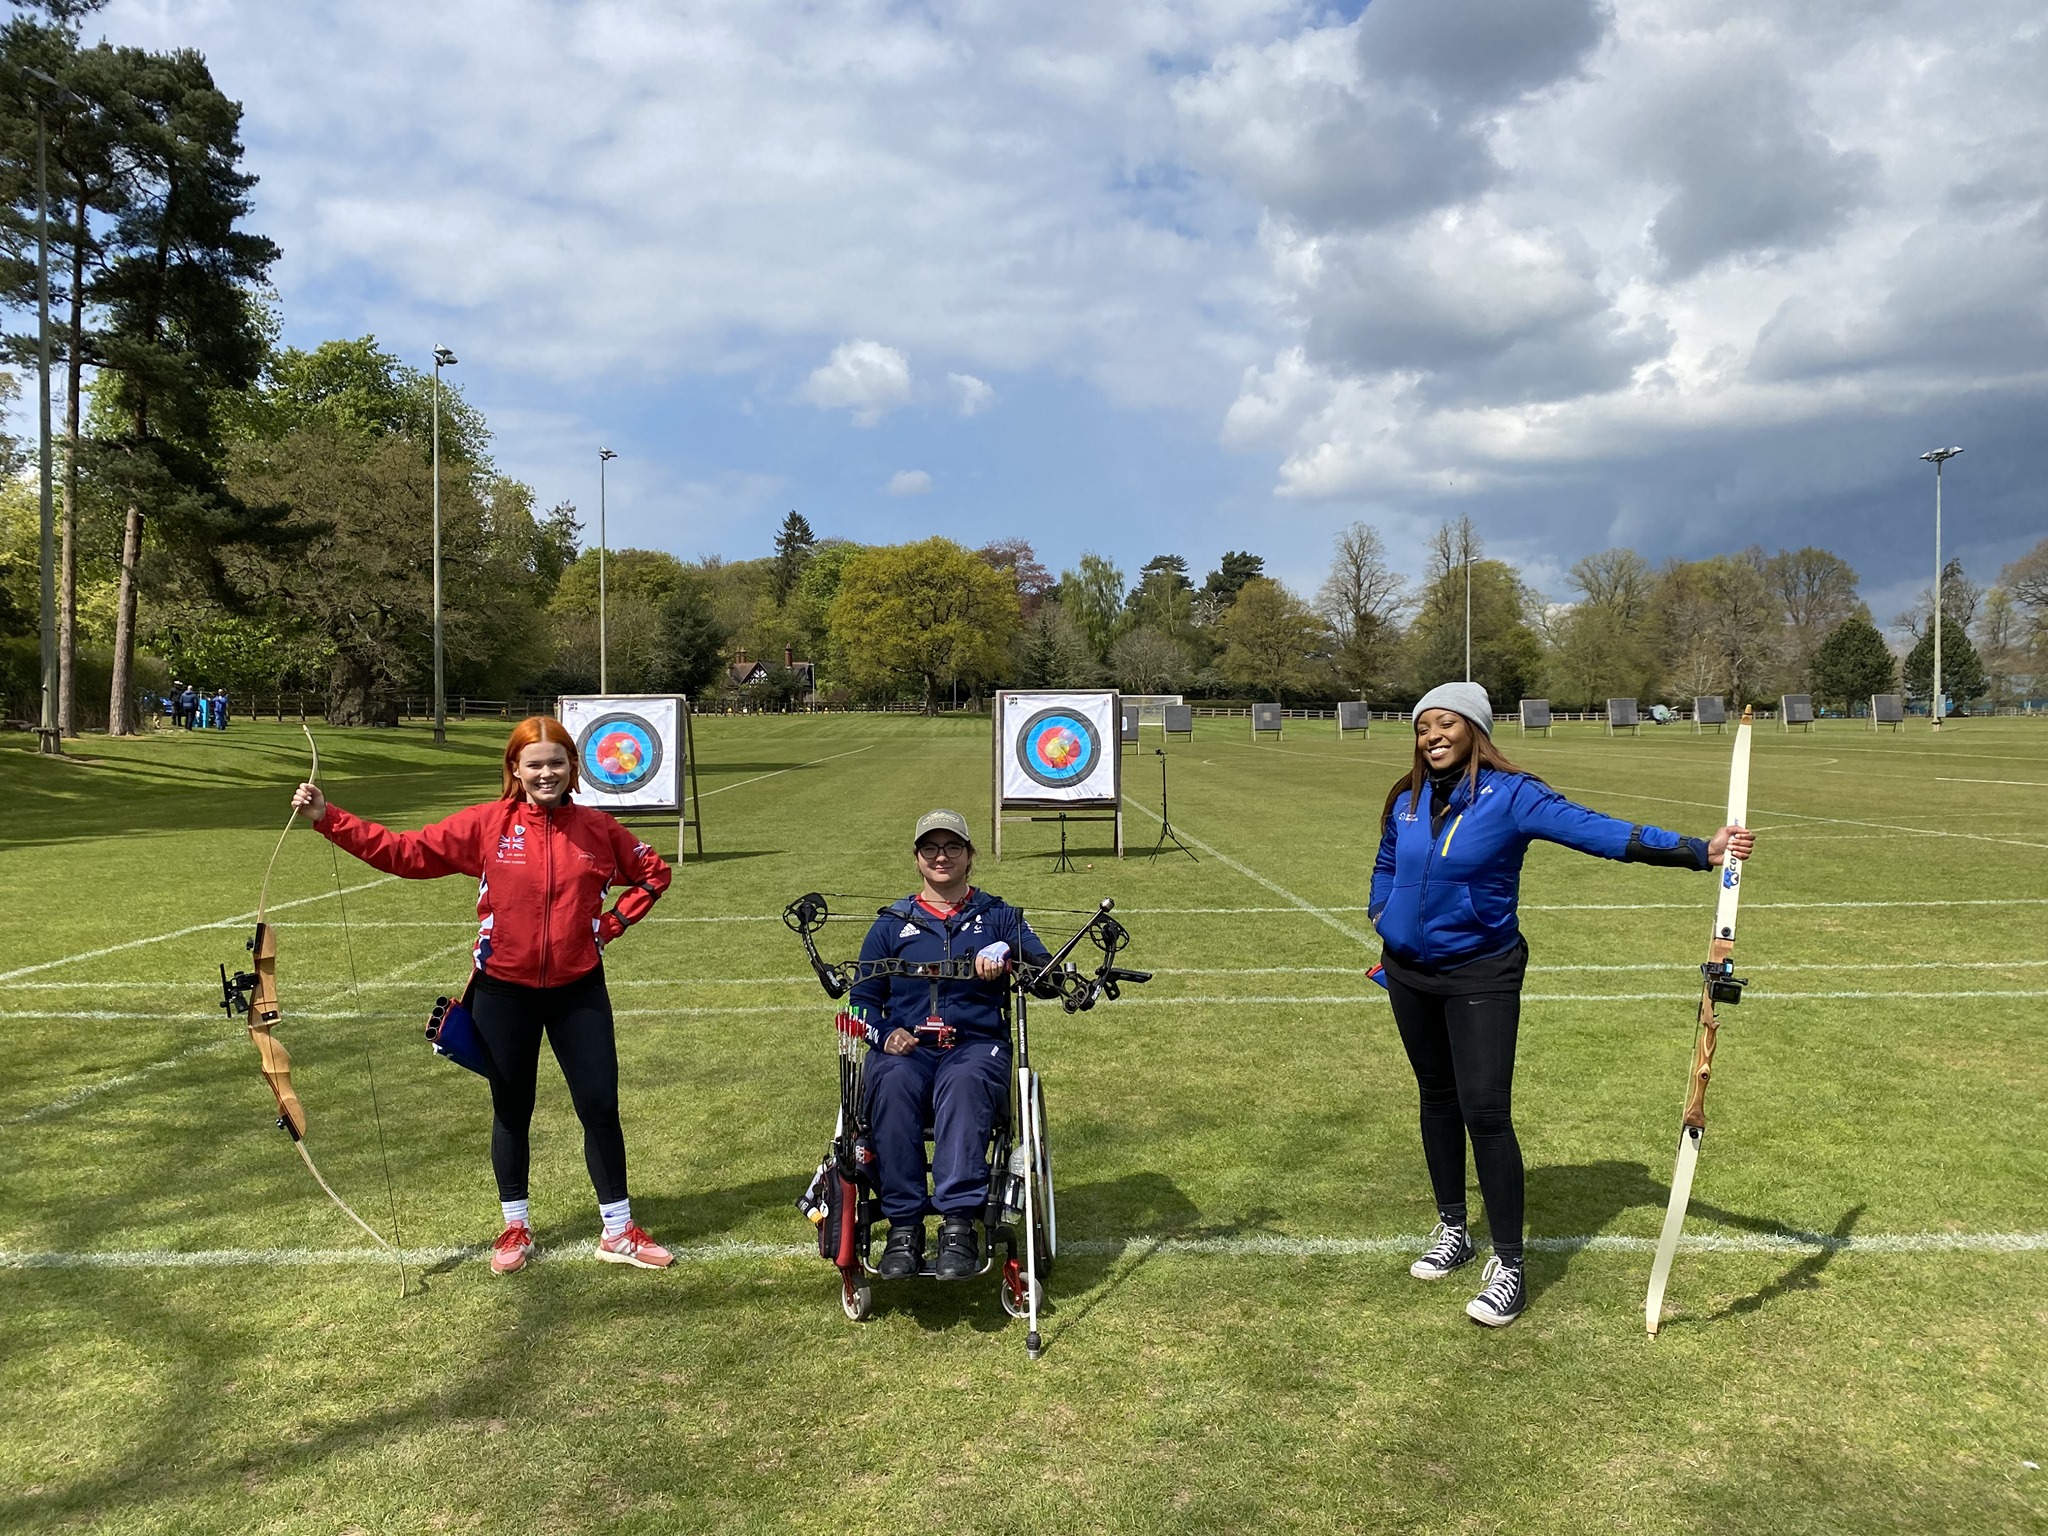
(254, 994)
(1718, 984)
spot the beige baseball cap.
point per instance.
(941, 821)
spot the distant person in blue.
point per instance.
(205, 717)
(942, 1049)
(220, 709)
(188, 706)
(1444, 893)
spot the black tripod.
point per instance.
(1166, 831)
(1064, 864)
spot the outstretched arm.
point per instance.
(444, 848)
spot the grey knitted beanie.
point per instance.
(1467, 699)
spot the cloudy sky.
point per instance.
(1146, 276)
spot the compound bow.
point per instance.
(253, 994)
(1057, 977)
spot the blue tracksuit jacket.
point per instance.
(1442, 900)
(908, 930)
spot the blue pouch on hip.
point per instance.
(452, 1033)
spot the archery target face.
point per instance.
(1058, 748)
(617, 753)
(628, 750)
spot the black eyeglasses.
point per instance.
(943, 850)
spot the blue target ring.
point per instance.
(618, 753)
(1058, 748)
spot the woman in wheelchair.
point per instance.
(944, 1057)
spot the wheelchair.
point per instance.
(1019, 1213)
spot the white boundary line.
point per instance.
(1306, 999)
(1322, 914)
(2015, 783)
(1225, 1247)
(179, 933)
(778, 773)
(84, 1091)
(1833, 821)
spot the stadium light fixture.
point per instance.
(604, 457)
(1937, 457)
(443, 358)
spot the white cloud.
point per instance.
(909, 482)
(863, 377)
(1684, 271)
(970, 395)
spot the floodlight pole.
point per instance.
(604, 457)
(49, 739)
(1937, 458)
(1466, 523)
(443, 358)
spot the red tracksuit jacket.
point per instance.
(542, 875)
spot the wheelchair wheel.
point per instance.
(856, 1299)
(1012, 1289)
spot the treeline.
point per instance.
(234, 513)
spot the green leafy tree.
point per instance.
(795, 543)
(1147, 661)
(690, 650)
(362, 575)
(1507, 656)
(1962, 669)
(925, 615)
(1720, 628)
(182, 332)
(1094, 595)
(1054, 651)
(1605, 646)
(1852, 663)
(1235, 569)
(1271, 640)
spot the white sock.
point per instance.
(516, 1212)
(617, 1215)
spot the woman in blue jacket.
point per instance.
(1444, 892)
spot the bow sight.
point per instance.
(1057, 978)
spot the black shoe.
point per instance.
(903, 1253)
(959, 1249)
(1501, 1298)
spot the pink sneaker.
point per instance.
(512, 1249)
(633, 1246)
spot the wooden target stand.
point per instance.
(1003, 811)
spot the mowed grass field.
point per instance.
(192, 1339)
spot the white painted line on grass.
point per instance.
(1833, 821)
(778, 773)
(1252, 1247)
(85, 1091)
(1320, 913)
(179, 933)
(2015, 783)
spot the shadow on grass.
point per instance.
(1586, 1197)
(1802, 1276)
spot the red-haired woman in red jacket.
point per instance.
(544, 865)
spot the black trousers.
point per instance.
(1463, 1051)
(577, 1020)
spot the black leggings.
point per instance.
(1463, 1052)
(577, 1020)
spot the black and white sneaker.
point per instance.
(1449, 1248)
(1501, 1297)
